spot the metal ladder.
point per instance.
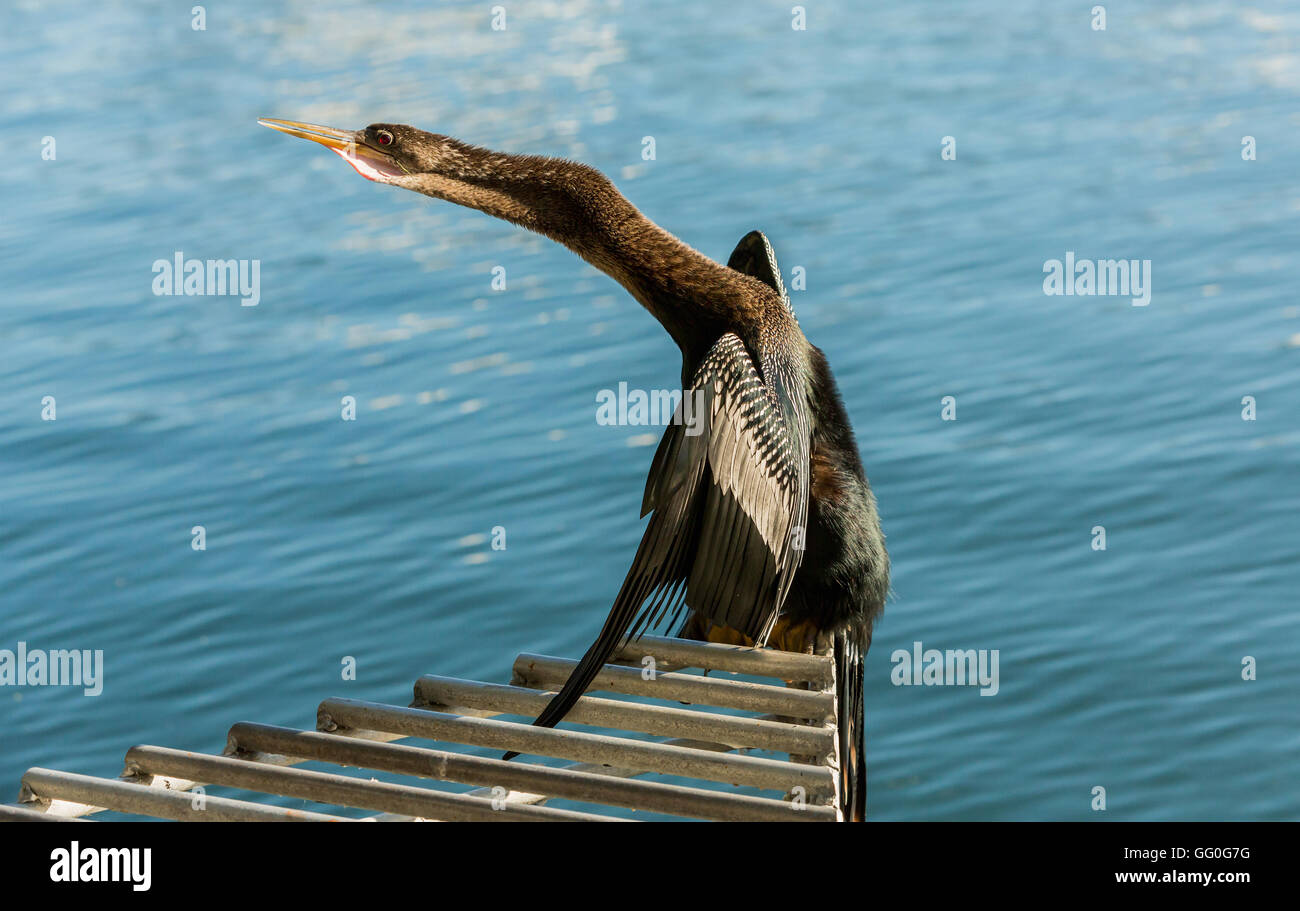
(707, 743)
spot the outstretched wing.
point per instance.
(728, 489)
(739, 477)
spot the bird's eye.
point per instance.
(383, 137)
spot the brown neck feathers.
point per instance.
(695, 298)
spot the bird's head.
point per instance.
(566, 201)
(390, 153)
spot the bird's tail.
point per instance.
(611, 637)
(849, 653)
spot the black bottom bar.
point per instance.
(257, 861)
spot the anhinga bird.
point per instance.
(763, 524)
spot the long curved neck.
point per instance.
(693, 297)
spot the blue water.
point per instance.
(476, 408)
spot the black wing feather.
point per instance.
(727, 495)
(754, 256)
(849, 653)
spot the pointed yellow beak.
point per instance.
(330, 138)
(371, 163)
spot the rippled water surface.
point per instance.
(476, 408)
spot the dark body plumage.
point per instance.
(763, 528)
(711, 553)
